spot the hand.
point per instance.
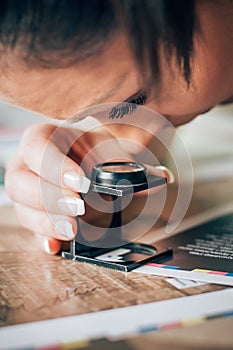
(45, 178)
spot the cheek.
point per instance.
(176, 99)
(180, 104)
(178, 108)
(213, 87)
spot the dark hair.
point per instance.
(168, 22)
(60, 32)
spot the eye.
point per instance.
(127, 107)
(138, 100)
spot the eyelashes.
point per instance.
(128, 107)
(139, 100)
(122, 109)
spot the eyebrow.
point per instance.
(111, 92)
(91, 107)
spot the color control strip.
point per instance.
(209, 272)
(185, 323)
(93, 344)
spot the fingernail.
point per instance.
(71, 205)
(77, 182)
(47, 246)
(64, 229)
(167, 172)
(51, 246)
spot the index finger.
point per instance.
(45, 158)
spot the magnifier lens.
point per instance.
(112, 173)
(122, 168)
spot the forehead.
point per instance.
(107, 77)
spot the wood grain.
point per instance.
(36, 286)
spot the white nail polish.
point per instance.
(65, 229)
(77, 182)
(71, 206)
(46, 246)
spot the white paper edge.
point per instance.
(115, 323)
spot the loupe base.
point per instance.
(124, 258)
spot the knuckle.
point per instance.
(35, 131)
(10, 183)
(29, 134)
(49, 225)
(46, 225)
(38, 202)
(27, 141)
(33, 135)
(22, 217)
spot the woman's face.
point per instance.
(113, 76)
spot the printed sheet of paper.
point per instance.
(203, 253)
(39, 291)
(119, 323)
(36, 287)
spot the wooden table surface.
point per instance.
(35, 286)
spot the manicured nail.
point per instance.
(71, 206)
(47, 246)
(51, 245)
(167, 172)
(77, 182)
(64, 229)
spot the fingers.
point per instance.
(28, 189)
(51, 245)
(44, 184)
(160, 170)
(55, 226)
(45, 158)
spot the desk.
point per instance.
(36, 286)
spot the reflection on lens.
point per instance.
(115, 173)
(122, 168)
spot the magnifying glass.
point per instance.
(119, 179)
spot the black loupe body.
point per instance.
(118, 179)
